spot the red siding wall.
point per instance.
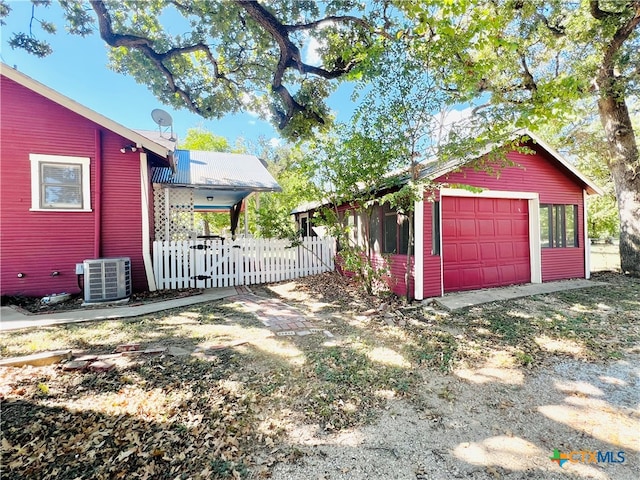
(397, 264)
(537, 173)
(432, 286)
(38, 243)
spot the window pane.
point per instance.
(571, 219)
(304, 226)
(545, 230)
(560, 239)
(435, 232)
(363, 227)
(374, 231)
(61, 185)
(351, 225)
(404, 234)
(63, 196)
(69, 174)
(390, 233)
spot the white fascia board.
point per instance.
(592, 187)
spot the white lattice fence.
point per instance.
(245, 261)
(173, 213)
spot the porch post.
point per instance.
(146, 235)
(418, 248)
(234, 212)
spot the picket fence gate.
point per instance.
(217, 263)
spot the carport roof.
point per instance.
(217, 171)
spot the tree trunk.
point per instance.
(625, 170)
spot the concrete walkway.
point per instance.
(12, 319)
(455, 301)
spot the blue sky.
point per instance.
(77, 68)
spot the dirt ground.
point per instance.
(489, 423)
(397, 391)
(489, 419)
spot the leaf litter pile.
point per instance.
(227, 415)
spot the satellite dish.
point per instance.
(164, 120)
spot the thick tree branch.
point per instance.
(621, 35)
(337, 19)
(145, 46)
(289, 58)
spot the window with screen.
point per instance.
(60, 183)
(558, 226)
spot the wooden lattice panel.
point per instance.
(176, 219)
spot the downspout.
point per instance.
(146, 235)
(97, 215)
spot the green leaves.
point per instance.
(36, 47)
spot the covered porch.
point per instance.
(205, 182)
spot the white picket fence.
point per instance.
(244, 261)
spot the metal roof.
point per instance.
(219, 180)
(217, 170)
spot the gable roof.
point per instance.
(436, 169)
(85, 112)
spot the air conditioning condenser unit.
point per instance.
(107, 279)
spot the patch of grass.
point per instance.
(341, 385)
(523, 358)
(432, 349)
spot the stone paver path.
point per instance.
(279, 317)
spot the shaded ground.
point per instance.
(399, 392)
(37, 306)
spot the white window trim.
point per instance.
(36, 159)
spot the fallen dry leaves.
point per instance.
(158, 419)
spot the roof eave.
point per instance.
(81, 110)
(590, 187)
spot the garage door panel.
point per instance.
(449, 225)
(466, 204)
(487, 246)
(468, 252)
(505, 251)
(472, 277)
(502, 205)
(491, 276)
(484, 207)
(521, 250)
(450, 253)
(486, 228)
(466, 228)
(504, 226)
(453, 280)
(520, 206)
(488, 251)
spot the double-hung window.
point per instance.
(558, 226)
(60, 183)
